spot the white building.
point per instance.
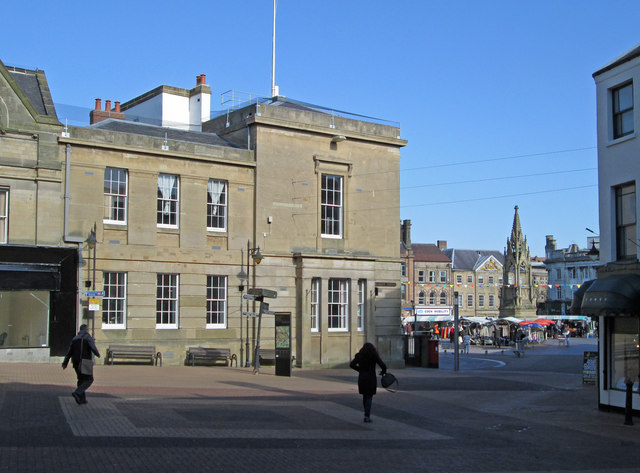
(615, 295)
(568, 269)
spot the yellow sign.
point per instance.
(94, 303)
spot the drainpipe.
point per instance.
(67, 197)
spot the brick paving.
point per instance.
(498, 413)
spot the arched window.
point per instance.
(432, 298)
(421, 298)
(443, 298)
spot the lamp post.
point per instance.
(242, 276)
(257, 258)
(91, 244)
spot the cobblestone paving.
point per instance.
(531, 414)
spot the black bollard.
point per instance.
(628, 420)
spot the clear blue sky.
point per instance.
(495, 98)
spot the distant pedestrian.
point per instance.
(81, 348)
(466, 340)
(365, 364)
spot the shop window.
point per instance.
(624, 349)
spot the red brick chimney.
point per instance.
(442, 245)
(98, 115)
(201, 79)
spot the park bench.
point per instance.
(133, 352)
(211, 355)
(268, 354)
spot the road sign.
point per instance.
(94, 293)
(268, 312)
(94, 303)
(250, 297)
(250, 314)
(256, 291)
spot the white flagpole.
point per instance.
(273, 54)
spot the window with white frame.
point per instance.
(443, 276)
(459, 300)
(422, 298)
(114, 302)
(422, 275)
(338, 305)
(500, 281)
(332, 206)
(168, 200)
(459, 278)
(432, 276)
(167, 301)
(443, 298)
(491, 279)
(403, 269)
(492, 300)
(622, 101)
(362, 299)
(432, 298)
(626, 233)
(216, 302)
(403, 292)
(4, 215)
(469, 279)
(480, 300)
(115, 195)
(217, 205)
(470, 300)
(315, 304)
(480, 279)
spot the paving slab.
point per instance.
(498, 413)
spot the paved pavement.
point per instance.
(498, 413)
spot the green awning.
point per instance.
(616, 295)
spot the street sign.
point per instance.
(256, 291)
(250, 314)
(268, 312)
(250, 297)
(94, 293)
(94, 303)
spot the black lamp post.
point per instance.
(257, 258)
(91, 244)
(242, 276)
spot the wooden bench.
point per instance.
(268, 354)
(211, 355)
(133, 352)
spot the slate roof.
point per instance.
(468, 260)
(136, 128)
(428, 252)
(33, 85)
(628, 56)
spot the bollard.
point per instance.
(628, 409)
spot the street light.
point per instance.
(242, 276)
(91, 244)
(257, 258)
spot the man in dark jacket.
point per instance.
(81, 346)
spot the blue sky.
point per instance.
(495, 98)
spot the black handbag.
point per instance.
(86, 364)
(387, 381)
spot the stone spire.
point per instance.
(517, 295)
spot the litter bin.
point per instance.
(433, 360)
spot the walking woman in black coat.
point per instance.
(365, 363)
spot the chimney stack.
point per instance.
(201, 79)
(99, 115)
(442, 245)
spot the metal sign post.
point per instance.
(259, 295)
(456, 334)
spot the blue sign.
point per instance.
(94, 293)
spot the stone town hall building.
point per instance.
(157, 204)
